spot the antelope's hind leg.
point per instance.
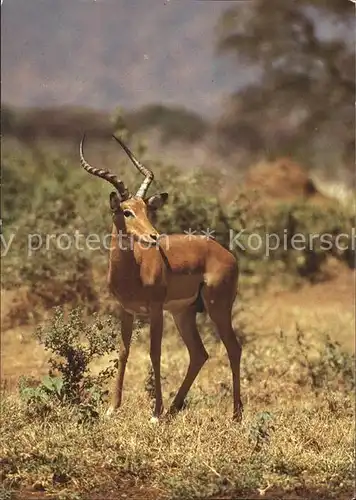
(219, 308)
(186, 324)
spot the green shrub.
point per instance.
(327, 367)
(73, 344)
(311, 222)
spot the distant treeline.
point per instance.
(174, 123)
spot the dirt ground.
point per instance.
(318, 303)
(144, 494)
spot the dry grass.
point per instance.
(199, 454)
(296, 437)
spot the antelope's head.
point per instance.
(130, 212)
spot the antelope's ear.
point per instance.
(156, 201)
(114, 201)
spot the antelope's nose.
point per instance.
(154, 237)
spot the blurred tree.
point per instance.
(174, 122)
(302, 100)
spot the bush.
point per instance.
(36, 217)
(312, 223)
(330, 367)
(174, 123)
(74, 344)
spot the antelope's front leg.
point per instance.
(126, 334)
(156, 329)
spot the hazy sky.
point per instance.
(104, 53)
(107, 52)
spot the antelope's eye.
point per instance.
(128, 213)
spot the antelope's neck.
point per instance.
(124, 270)
(132, 268)
(122, 249)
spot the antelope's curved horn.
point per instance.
(103, 174)
(142, 190)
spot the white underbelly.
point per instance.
(178, 304)
(173, 305)
(137, 311)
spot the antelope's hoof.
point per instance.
(238, 414)
(110, 412)
(172, 412)
(154, 420)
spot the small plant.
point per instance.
(260, 431)
(42, 397)
(49, 387)
(37, 396)
(74, 344)
(331, 367)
